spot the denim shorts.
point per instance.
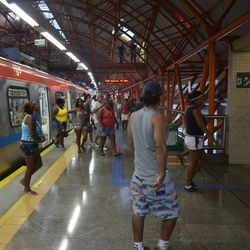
(89, 129)
(61, 127)
(29, 148)
(162, 203)
(107, 131)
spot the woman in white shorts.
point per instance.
(196, 126)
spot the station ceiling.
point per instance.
(167, 32)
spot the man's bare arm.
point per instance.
(159, 125)
(97, 109)
(130, 135)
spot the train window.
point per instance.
(58, 94)
(17, 97)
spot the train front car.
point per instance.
(19, 84)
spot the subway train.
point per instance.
(19, 84)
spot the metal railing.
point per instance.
(218, 123)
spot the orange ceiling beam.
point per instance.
(216, 37)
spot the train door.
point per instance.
(69, 106)
(69, 100)
(44, 111)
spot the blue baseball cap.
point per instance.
(153, 88)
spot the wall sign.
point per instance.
(40, 42)
(243, 80)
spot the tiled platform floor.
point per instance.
(89, 208)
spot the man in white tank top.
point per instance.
(95, 108)
(152, 190)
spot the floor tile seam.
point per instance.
(39, 183)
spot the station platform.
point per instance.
(83, 202)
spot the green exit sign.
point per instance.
(243, 80)
(40, 42)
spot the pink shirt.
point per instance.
(125, 110)
(107, 118)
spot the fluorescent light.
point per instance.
(53, 40)
(92, 78)
(73, 57)
(83, 66)
(21, 13)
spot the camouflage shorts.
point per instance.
(162, 203)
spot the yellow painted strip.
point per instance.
(13, 219)
(46, 151)
(12, 176)
(19, 171)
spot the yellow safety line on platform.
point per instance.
(12, 176)
(46, 151)
(20, 170)
(13, 219)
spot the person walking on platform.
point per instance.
(152, 190)
(31, 135)
(80, 123)
(60, 115)
(97, 105)
(87, 106)
(125, 114)
(118, 110)
(196, 126)
(107, 121)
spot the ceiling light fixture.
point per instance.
(53, 40)
(83, 66)
(21, 13)
(73, 57)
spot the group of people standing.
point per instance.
(152, 190)
(132, 51)
(123, 110)
(104, 120)
(87, 114)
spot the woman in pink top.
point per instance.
(125, 114)
(107, 121)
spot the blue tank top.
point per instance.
(25, 131)
(144, 146)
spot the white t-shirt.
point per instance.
(95, 105)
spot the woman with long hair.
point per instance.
(80, 123)
(31, 135)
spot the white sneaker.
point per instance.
(105, 148)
